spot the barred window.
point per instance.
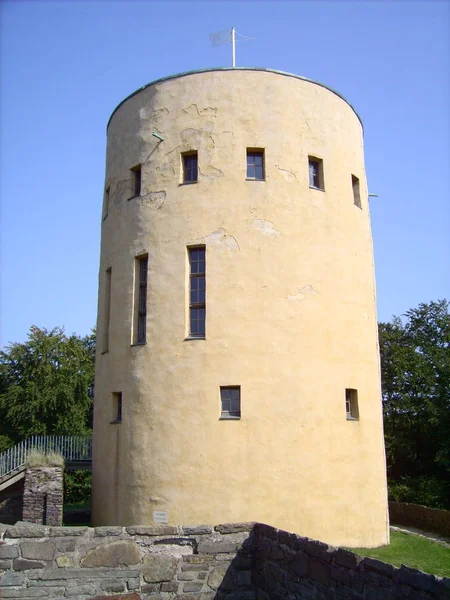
(197, 291)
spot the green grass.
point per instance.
(413, 551)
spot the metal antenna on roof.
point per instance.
(225, 36)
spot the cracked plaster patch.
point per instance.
(287, 173)
(303, 293)
(222, 238)
(265, 227)
(154, 199)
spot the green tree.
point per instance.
(46, 386)
(415, 372)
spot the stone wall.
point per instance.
(11, 503)
(240, 561)
(43, 495)
(429, 519)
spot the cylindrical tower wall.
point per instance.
(290, 313)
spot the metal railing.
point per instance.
(72, 448)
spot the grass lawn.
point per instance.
(413, 551)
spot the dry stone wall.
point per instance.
(241, 561)
(43, 495)
(430, 519)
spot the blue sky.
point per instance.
(66, 65)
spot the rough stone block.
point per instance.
(319, 572)
(340, 575)
(9, 578)
(376, 566)
(22, 564)
(186, 576)
(211, 547)
(198, 596)
(128, 596)
(38, 550)
(153, 530)
(317, 549)
(226, 528)
(5, 564)
(31, 593)
(267, 531)
(194, 559)
(67, 531)
(107, 531)
(7, 551)
(25, 531)
(347, 559)
(158, 567)
(194, 567)
(300, 564)
(65, 545)
(192, 586)
(220, 577)
(150, 588)
(134, 583)
(414, 578)
(202, 575)
(114, 554)
(80, 590)
(65, 561)
(197, 529)
(244, 578)
(169, 586)
(91, 573)
(113, 587)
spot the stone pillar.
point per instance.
(43, 495)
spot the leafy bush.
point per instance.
(77, 487)
(426, 491)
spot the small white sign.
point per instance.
(160, 516)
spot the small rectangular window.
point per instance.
(316, 180)
(190, 167)
(230, 398)
(351, 404)
(106, 310)
(117, 407)
(141, 299)
(136, 173)
(106, 203)
(197, 291)
(255, 164)
(356, 194)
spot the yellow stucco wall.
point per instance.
(290, 304)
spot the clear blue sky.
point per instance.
(66, 65)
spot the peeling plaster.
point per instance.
(193, 110)
(265, 227)
(154, 199)
(303, 293)
(221, 238)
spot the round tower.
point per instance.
(237, 371)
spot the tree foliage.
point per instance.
(46, 386)
(415, 371)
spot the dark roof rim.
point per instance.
(198, 71)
